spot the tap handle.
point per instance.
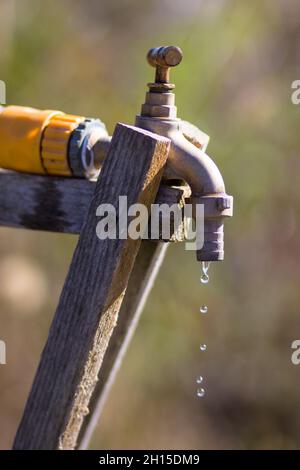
(163, 58)
(168, 56)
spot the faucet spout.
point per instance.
(194, 166)
(197, 169)
(189, 163)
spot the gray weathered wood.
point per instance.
(91, 298)
(49, 203)
(59, 204)
(148, 262)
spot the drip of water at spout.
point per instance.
(204, 272)
(203, 347)
(199, 380)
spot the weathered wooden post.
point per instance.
(91, 298)
(22, 204)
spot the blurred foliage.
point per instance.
(240, 59)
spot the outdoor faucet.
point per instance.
(187, 160)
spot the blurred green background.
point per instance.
(240, 58)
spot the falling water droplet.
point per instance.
(200, 392)
(203, 309)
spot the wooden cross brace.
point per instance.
(105, 289)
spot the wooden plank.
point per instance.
(49, 203)
(148, 262)
(91, 298)
(59, 204)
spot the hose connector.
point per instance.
(217, 207)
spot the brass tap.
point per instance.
(187, 160)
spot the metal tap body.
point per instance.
(187, 160)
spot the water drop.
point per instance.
(203, 309)
(199, 379)
(200, 392)
(203, 347)
(204, 279)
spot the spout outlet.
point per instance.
(213, 243)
